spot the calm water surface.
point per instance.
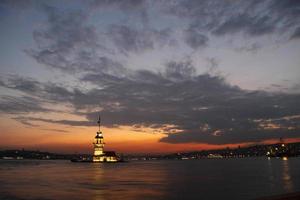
(247, 178)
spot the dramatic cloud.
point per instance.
(69, 43)
(128, 39)
(251, 48)
(124, 52)
(185, 106)
(243, 22)
(296, 34)
(195, 39)
(126, 5)
(130, 7)
(254, 18)
(15, 4)
(21, 105)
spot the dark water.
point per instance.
(247, 178)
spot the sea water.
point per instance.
(243, 178)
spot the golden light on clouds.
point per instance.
(54, 137)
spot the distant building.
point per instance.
(99, 154)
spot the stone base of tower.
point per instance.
(108, 156)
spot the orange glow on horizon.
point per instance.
(124, 139)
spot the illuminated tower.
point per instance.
(99, 153)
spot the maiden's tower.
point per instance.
(99, 154)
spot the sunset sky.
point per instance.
(166, 76)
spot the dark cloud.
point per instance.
(15, 4)
(230, 137)
(254, 26)
(253, 48)
(138, 7)
(67, 42)
(199, 107)
(179, 70)
(28, 85)
(64, 122)
(44, 92)
(286, 9)
(186, 107)
(296, 34)
(253, 18)
(55, 130)
(128, 39)
(195, 39)
(21, 105)
(126, 5)
(26, 122)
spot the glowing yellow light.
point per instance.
(284, 158)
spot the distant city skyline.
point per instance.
(165, 76)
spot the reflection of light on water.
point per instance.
(286, 177)
(271, 175)
(284, 158)
(98, 180)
